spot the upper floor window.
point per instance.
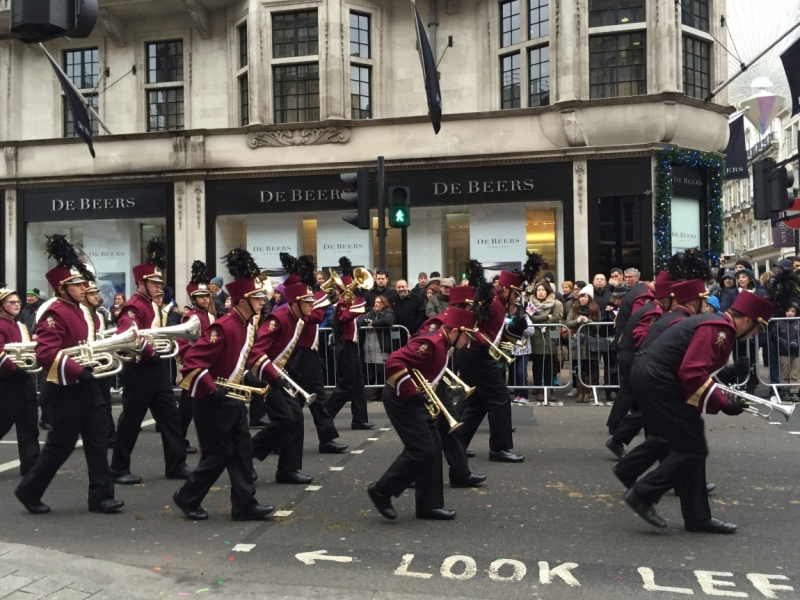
(617, 65)
(510, 23)
(165, 61)
(615, 12)
(359, 35)
(242, 29)
(242, 76)
(694, 13)
(165, 99)
(509, 86)
(696, 68)
(539, 18)
(81, 66)
(296, 93)
(539, 76)
(295, 34)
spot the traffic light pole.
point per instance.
(381, 180)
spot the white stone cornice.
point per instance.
(199, 17)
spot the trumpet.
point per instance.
(238, 391)
(163, 338)
(770, 405)
(22, 354)
(496, 353)
(102, 356)
(434, 406)
(293, 389)
(453, 381)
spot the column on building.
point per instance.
(580, 213)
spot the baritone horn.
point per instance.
(453, 381)
(434, 406)
(333, 285)
(163, 339)
(770, 406)
(23, 355)
(101, 356)
(362, 279)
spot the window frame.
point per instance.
(698, 42)
(296, 11)
(242, 112)
(361, 62)
(368, 70)
(510, 18)
(90, 93)
(531, 50)
(166, 86)
(694, 21)
(275, 81)
(617, 35)
(510, 56)
(616, 10)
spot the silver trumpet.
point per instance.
(771, 405)
(293, 389)
(452, 380)
(162, 339)
(101, 356)
(22, 354)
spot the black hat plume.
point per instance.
(59, 248)
(783, 289)
(346, 266)
(308, 269)
(199, 273)
(531, 268)
(690, 264)
(484, 290)
(289, 262)
(157, 253)
(240, 264)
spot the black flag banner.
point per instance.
(791, 64)
(83, 126)
(736, 153)
(429, 71)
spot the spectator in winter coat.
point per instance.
(746, 284)
(727, 285)
(422, 284)
(583, 311)
(546, 310)
(601, 294)
(439, 302)
(27, 316)
(409, 308)
(788, 334)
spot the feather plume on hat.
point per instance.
(289, 263)
(484, 290)
(346, 266)
(690, 264)
(240, 264)
(59, 248)
(783, 289)
(199, 273)
(308, 269)
(157, 253)
(531, 268)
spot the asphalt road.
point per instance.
(552, 527)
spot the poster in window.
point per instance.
(110, 284)
(685, 224)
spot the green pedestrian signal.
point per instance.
(400, 207)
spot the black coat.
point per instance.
(387, 293)
(410, 312)
(28, 315)
(219, 303)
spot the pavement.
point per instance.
(552, 527)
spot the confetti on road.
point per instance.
(336, 468)
(183, 593)
(157, 568)
(201, 590)
(283, 513)
(228, 543)
(313, 488)
(230, 559)
(220, 581)
(243, 547)
(356, 451)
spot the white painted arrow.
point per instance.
(308, 558)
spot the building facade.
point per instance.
(231, 121)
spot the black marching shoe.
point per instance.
(617, 450)
(505, 456)
(35, 508)
(195, 514)
(332, 448)
(710, 487)
(259, 423)
(182, 473)
(473, 480)
(358, 426)
(189, 448)
(109, 505)
(644, 509)
(129, 479)
(382, 503)
(470, 454)
(437, 514)
(44, 426)
(257, 513)
(713, 525)
(292, 477)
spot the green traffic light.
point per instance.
(398, 217)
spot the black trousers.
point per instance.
(624, 399)
(18, 409)
(491, 396)
(349, 383)
(185, 414)
(257, 409)
(45, 403)
(305, 367)
(224, 434)
(104, 385)
(421, 458)
(453, 446)
(146, 385)
(78, 410)
(285, 430)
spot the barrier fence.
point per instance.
(545, 359)
(781, 356)
(594, 345)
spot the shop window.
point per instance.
(360, 92)
(615, 12)
(617, 65)
(244, 100)
(82, 69)
(165, 101)
(539, 18)
(457, 245)
(620, 233)
(69, 122)
(509, 86)
(695, 14)
(696, 68)
(296, 93)
(509, 23)
(359, 35)
(295, 34)
(539, 73)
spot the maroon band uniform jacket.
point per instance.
(11, 332)
(346, 315)
(309, 337)
(427, 352)
(64, 325)
(139, 310)
(277, 337)
(206, 319)
(221, 353)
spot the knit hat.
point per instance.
(34, 292)
(746, 264)
(714, 302)
(619, 291)
(217, 281)
(729, 273)
(588, 290)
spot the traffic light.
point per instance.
(781, 182)
(359, 181)
(34, 21)
(399, 207)
(762, 190)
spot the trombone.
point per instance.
(434, 406)
(770, 406)
(238, 391)
(453, 382)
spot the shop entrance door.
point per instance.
(620, 233)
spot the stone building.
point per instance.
(231, 121)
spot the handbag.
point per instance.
(599, 345)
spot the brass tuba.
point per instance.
(22, 354)
(163, 338)
(434, 406)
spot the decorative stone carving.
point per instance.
(199, 17)
(298, 137)
(112, 27)
(580, 171)
(179, 191)
(10, 198)
(572, 128)
(199, 192)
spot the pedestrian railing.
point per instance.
(594, 341)
(544, 361)
(782, 357)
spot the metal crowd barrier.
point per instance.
(597, 338)
(548, 366)
(782, 353)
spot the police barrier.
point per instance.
(542, 352)
(782, 357)
(593, 346)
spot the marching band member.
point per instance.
(421, 459)
(201, 307)
(221, 421)
(18, 406)
(93, 301)
(79, 408)
(278, 335)
(676, 370)
(146, 383)
(349, 376)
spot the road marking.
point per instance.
(243, 547)
(795, 432)
(148, 422)
(308, 558)
(775, 423)
(336, 468)
(709, 584)
(313, 488)
(563, 571)
(763, 584)
(649, 579)
(283, 513)
(402, 570)
(470, 567)
(14, 442)
(15, 463)
(372, 439)
(519, 570)
(385, 429)
(356, 451)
